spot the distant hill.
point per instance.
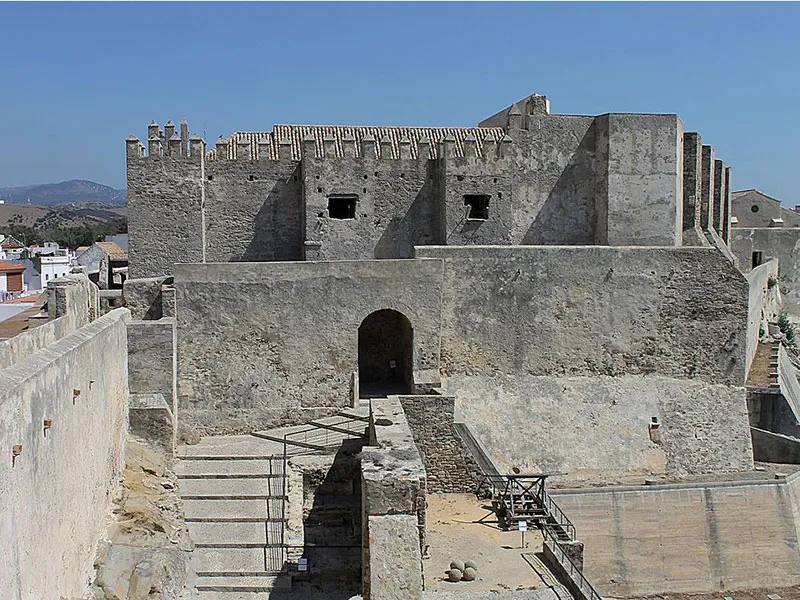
(75, 191)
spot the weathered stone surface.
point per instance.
(299, 323)
(395, 563)
(55, 497)
(449, 467)
(143, 297)
(392, 484)
(266, 223)
(151, 418)
(596, 429)
(165, 195)
(152, 357)
(630, 537)
(592, 310)
(543, 593)
(148, 547)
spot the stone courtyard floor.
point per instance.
(453, 534)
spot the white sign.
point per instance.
(523, 526)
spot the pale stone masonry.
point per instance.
(523, 176)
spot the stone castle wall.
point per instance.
(258, 342)
(449, 466)
(551, 179)
(54, 496)
(687, 538)
(559, 357)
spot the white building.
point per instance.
(52, 266)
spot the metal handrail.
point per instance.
(555, 511)
(570, 568)
(321, 436)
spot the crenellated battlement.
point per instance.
(295, 142)
(166, 142)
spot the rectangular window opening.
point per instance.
(758, 258)
(342, 206)
(478, 206)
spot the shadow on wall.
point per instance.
(421, 225)
(332, 526)
(568, 215)
(278, 232)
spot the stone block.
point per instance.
(151, 418)
(394, 560)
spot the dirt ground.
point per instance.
(453, 534)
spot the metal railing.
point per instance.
(571, 570)
(275, 550)
(322, 437)
(555, 512)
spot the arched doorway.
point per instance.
(385, 354)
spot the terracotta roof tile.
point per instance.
(293, 135)
(113, 251)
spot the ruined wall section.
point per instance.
(298, 322)
(73, 302)
(253, 205)
(165, 204)
(396, 197)
(65, 411)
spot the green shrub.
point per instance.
(788, 329)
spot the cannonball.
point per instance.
(457, 564)
(454, 574)
(470, 564)
(469, 574)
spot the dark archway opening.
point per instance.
(385, 354)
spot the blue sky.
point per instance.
(78, 78)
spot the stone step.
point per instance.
(232, 561)
(234, 466)
(232, 487)
(232, 509)
(232, 532)
(269, 595)
(242, 583)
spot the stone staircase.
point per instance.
(234, 495)
(235, 511)
(774, 356)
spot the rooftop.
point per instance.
(343, 134)
(113, 251)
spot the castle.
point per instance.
(540, 294)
